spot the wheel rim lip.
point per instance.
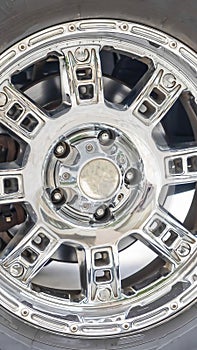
(37, 43)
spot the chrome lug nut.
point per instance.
(106, 137)
(81, 54)
(57, 196)
(16, 270)
(100, 212)
(3, 99)
(130, 175)
(61, 150)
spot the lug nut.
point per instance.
(57, 196)
(100, 212)
(61, 150)
(106, 137)
(130, 176)
(16, 270)
(3, 99)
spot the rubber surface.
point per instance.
(19, 18)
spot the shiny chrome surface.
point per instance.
(99, 179)
(106, 247)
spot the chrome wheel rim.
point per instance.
(94, 240)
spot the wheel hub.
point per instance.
(101, 170)
(99, 179)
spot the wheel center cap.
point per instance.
(99, 179)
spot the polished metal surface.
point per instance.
(99, 179)
(108, 239)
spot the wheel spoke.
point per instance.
(20, 114)
(103, 275)
(168, 237)
(81, 75)
(157, 96)
(180, 166)
(11, 187)
(29, 254)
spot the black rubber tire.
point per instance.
(19, 18)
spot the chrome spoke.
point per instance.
(168, 237)
(11, 186)
(180, 166)
(157, 97)
(81, 75)
(103, 274)
(25, 255)
(20, 114)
